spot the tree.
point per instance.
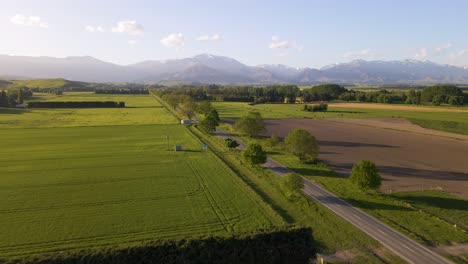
(208, 124)
(20, 98)
(214, 113)
(272, 141)
(188, 107)
(254, 154)
(456, 100)
(3, 99)
(302, 144)
(204, 107)
(291, 185)
(171, 99)
(231, 144)
(365, 175)
(251, 124)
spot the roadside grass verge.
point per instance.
(441, 204)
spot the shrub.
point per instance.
(365, 175)
(291, 185)
(231, 144)
(254, 154)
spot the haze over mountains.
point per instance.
(208, 69)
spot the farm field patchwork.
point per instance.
(443, 119)
(76, 187)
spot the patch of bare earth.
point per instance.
(397, 107)
(397, 124)
(407, 160)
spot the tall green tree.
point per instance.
(302, 144)
(251, 124)
(254, 154)
(188, 107)
(204, 107)
(3, 99)
(20, 98)
(365, 175)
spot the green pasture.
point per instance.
(139, 110)
(79, 178)
(455, 122)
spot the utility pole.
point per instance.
(167, 138)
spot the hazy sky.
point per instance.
(296, 33)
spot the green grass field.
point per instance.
(444, 121)
(68, 187)
(140, 110)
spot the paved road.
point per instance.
(406, 248)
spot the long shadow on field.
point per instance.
(394, 171)
(13, 111)
(315, 172)
(345, 112)
(348, 144)
(377, 206)
(441, 202)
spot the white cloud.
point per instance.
(132, 42)
(176, 40)
(277, 43)
(421, 54)
(365, 53)
(128, 27)
(214, 37)
(443, 48)
(93, 29)
(28, 21)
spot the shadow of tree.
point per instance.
(13, 111)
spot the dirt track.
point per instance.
(407, 160)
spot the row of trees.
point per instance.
(436, 95)
(14, 96)
(303, 145)
(122, 91)
(283, 245)
(439, 94)
(72, 104)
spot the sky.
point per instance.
(311, 33)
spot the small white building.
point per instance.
(20, 106)
(186, 122)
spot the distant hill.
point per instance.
(207, 69)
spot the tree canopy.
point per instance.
(291, 185)
(365, 175)
(254, 154)
(302, 144)
(251, 124)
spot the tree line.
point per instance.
(122, 91)
(72, 104)
(12, 97)
(281, 245)
(438, 94)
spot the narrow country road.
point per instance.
(405, 247)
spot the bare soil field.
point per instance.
(398, 107)
(400, 124)
(408, 160)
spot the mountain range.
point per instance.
(212, 69)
